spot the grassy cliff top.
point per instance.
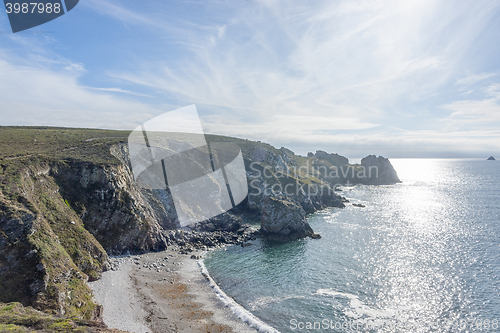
(81, 144)
(55, 143)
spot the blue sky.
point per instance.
(396, 78)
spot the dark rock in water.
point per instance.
(358, 205)
(284, 219)
(491, 158)
(379, 170)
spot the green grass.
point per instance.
(11, 328)
(14, 317)
(91, 145)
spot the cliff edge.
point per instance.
(68, 199)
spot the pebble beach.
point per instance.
(163, 292)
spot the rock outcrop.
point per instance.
(334, 159)
(379, 171)
(491, 158)
(284, 219)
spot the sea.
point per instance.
(421, 256)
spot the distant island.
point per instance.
(491, 158)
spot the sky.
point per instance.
(387, 77)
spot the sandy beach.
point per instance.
(166, 292)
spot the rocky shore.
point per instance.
(163, 292)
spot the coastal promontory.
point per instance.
(68, 199)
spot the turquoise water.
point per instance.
(423, 256)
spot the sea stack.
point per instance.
(283, 219)
(384, 171)
(491, 158)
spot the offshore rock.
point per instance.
(379, 171)
(491, 158)
(283, 219)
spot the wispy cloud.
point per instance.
(281, 126)
(471, 79)
(473, 113)
(75, 67)
(339, 59)
(122, 91)
(37, 96)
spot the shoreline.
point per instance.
(243, 314)
(168, 292)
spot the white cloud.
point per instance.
(75, 67)
(329, 59)
(471, 113)
(35, 96)
(493, 90)
(474, 111)
(118, 90)
(282, 126)
(471, 79)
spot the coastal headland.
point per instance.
(68, 200)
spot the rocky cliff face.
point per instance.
(283, 219)
(46, 255)
(60, 219)
(121, 215)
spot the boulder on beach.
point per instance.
(284, 219)
(491, 158)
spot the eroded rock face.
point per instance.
(284, 219)
(333, 158)
(222, 222)
(281, 179)
(36, 269)
(112, 207)
(380, 170)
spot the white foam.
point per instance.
(236, 308)
(262, 302)
(358, 308)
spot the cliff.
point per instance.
(68, 199)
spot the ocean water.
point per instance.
(422, 256)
